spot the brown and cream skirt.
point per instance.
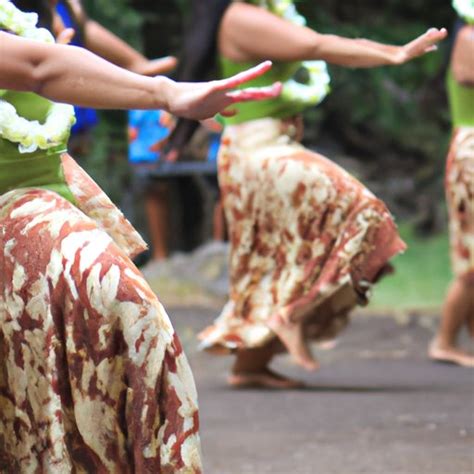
(460, 199)
(307, 239)
(92, 376)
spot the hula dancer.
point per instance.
(458, 310)
(92, 376)
(307, 239)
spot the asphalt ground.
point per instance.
(377, 406)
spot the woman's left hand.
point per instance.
(425, 43)
(202, 100)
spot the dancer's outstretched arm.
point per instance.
(107, 45)
(74, 75)
(249, 33)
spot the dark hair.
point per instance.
(198, 56)
(41, 7)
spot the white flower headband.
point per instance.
(31, 134)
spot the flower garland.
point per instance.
(22, 24)
(287, 10)
(465, 9)
(317, 86)
(31, 134)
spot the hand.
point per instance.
(420, 46)
(201, 100)
(155, 67)
(172, 156)
(66, 36)
(212, 125)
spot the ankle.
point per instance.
(247, 371)
(251, 362)
(443, 343)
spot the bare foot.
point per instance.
(450, 354)
(291, 334)
(264, 379)
(327, 345)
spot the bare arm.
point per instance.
(74, 75)
(70, 74)
(249, 33)
(107, 45)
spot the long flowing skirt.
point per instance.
(460, 198)
(307, 239)
(92, 376)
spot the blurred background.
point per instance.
(389, 127)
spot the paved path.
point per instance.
(377, 406)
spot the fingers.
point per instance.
(257, 93)
(420, 42)
(433, 35)
(162, 65)
(436, 35)
(425, 43)
(244, 76)
(228, 112)
(442, 33)
(159, 145)
(212, 125)
(427, 39)
(431, 49)
(172, 156)
(66, 36)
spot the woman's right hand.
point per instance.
(202, 100)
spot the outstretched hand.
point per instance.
(202, 100)
(425, 43)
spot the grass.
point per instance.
(421, 277)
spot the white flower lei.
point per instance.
(30, 134)
(317, 87)
(465, 9)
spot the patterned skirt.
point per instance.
(460, 199)
(92, 376)
(307, 239)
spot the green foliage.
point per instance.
(402, 108)
(118, 16)
(106, 160)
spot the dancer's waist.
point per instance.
(40, 170)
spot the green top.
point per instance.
(461, 101)
(41, 168)
(304, 83)
(280, 107)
